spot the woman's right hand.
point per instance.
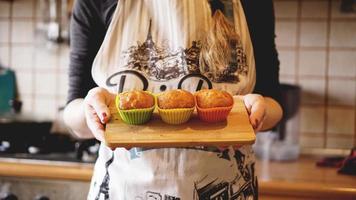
(97, 112)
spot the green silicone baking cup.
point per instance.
(135, 116)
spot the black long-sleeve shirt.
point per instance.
(91, 19)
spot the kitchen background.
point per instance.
(316, 44)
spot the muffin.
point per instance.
(135, 107)
(213, 105)
(176, 106)
(176, 99)
(135, 100)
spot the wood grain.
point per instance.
(75, 171)
(236, 130)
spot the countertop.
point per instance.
(302, 178)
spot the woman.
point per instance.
(202, 44)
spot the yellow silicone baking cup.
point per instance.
(175, 116)
(135, 116)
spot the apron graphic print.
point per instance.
(104, 186)
(243, 186)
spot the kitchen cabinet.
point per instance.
(31, 189)
(32, 179)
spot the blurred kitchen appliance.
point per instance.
(283, 142)
(348, 6)
(54, 19)
(25, 138)
(30, 138)
(7, 89)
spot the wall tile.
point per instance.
(336, 14)
(22, 31)
(340, 143)
(312, 63)
(286, 9)
(313, 34)
(341, 121)
(314, 9)
(27, 104)
(312, 119)
(22, 57)
(64, 58)
(63, 84)
(62, 100)
(46, 84)
(311, 142)
(4, 9)
(41, 10)
(343, 34)
(342, 92)
(342, 63)
(46, 58)
(287, 79)
(4, 56)
(24, 82)
(45, 108)
(4, 31)
(23, 8)
(287, 62)
(313, 90)
(286, 33)
(40, 38)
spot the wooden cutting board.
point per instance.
(236, 130)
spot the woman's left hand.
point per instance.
(257, 109)
(264, 112)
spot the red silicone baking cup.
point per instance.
(213, 114)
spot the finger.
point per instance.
(101, 109)
(258, 111)
(260, 125)
(248, 105)
(94, 124)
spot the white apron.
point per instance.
(158, 45)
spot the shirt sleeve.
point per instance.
(261, 22)
(87, 32)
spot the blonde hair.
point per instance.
(216, 47)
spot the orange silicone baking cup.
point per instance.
(213, 114)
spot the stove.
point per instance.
(53, 148)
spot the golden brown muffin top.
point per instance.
(135, 100)
(176, 99)
(213, 98)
